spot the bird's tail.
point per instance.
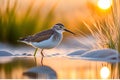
(27, 39)
(21, 39)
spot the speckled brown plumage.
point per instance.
(39, 36)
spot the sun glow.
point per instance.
(104, 4)
(104, 72)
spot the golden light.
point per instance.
(104, 72)
(104, 4)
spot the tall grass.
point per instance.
(13, 26)
(107, 28)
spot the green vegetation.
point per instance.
(12, 27)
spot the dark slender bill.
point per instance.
(69, 31)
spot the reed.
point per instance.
(13, 26)
(106, 29)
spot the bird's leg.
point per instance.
(35, 51)
(42, 53)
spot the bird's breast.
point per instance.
(52, 42)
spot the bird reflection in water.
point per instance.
(42, 60)
(41, 72)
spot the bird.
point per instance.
(47, 39)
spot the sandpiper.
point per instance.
(46, 39)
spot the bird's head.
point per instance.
(61, 28)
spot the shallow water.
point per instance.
(56, 67)
(56, 64)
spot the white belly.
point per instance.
(47, 44)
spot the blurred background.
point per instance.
(21, 18)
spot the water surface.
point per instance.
(56, 67)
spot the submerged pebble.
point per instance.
(78, 52)
(5, 53)
(97, 54)
(101, 53)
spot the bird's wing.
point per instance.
(39, 36)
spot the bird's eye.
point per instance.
(60, 27)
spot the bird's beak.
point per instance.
(69, 31)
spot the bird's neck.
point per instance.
(57, 36)
(59, 31)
